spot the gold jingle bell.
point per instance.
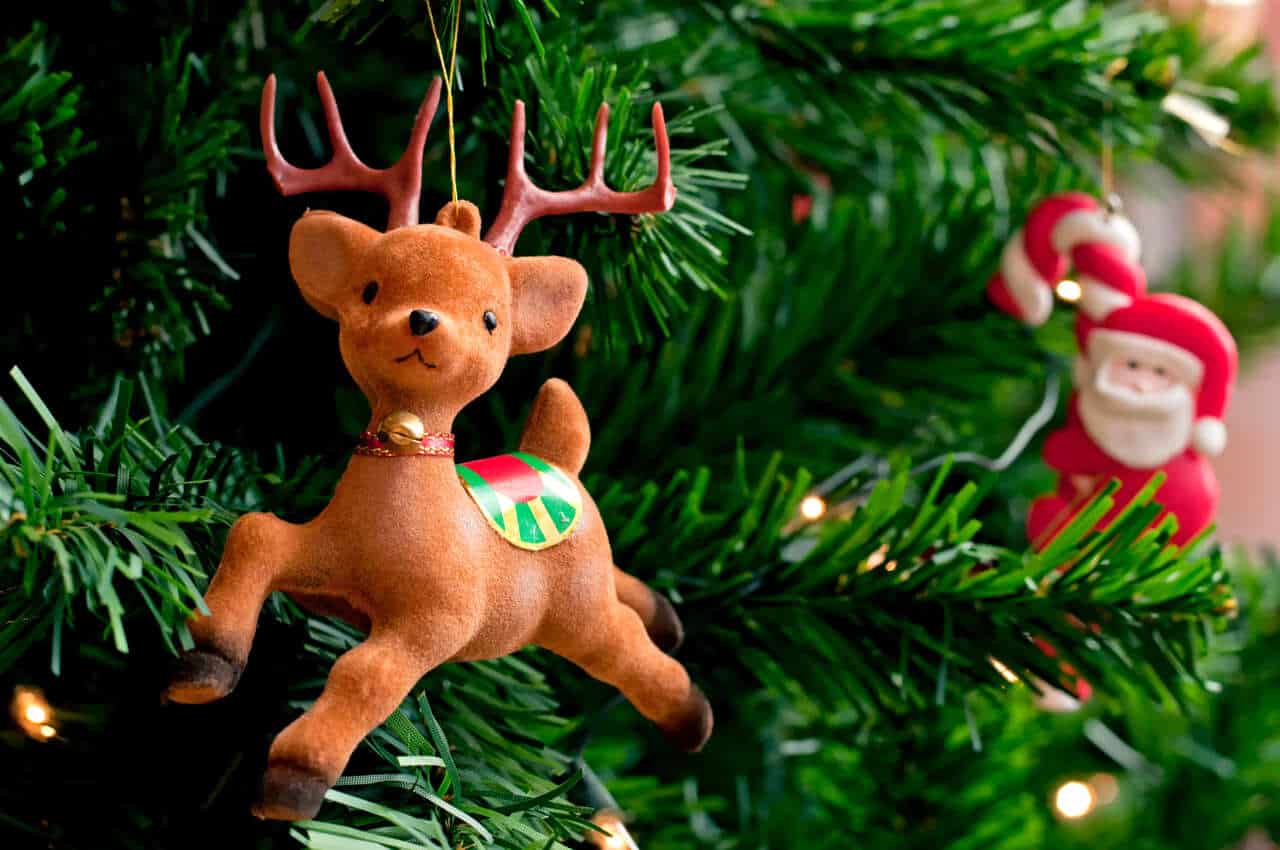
(401, 429)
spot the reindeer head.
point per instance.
(434, 309)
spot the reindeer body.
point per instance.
(427, 317)
(440, 568)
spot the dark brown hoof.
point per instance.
(289, 792)
(666, 631)
(693, 727)
(201, 676)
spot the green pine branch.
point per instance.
(850, 341)
(1201, 774)
(112, 524)
(901, 606)
(500, 29)
(39, 114)
(562, 92)
(168, 275)
(855, 89)
(954, 777)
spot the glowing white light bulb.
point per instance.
(617, 838)
(1074, 800)
(1008, 675)
(32, 713)
(812, 508)
(1069, 290)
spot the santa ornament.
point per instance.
(1153, 376)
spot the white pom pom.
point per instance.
(1209, 436)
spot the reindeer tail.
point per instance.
(557, 429)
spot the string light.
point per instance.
(812, 508)
(32, 713)
(1069, 290)
(1007, 674)
(615, 835)
(1073, 800)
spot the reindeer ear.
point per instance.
(322, 252)
(463, 216)
(546, 297)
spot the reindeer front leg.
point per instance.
(260, 548)
(365, 685)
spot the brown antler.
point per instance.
(401, 184)
(522, 202)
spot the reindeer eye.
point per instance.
(370, 292)
(490, 321)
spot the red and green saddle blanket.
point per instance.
(528, 501)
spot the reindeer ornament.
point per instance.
(440, 563)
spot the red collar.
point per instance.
(432, 443)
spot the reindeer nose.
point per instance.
(423, 322)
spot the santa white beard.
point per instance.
(1140, 430)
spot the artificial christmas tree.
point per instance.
(738, 356)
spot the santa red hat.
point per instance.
(1069, 230)
(1187, 336)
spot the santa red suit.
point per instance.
(1153, 378)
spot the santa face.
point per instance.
(1136, 404)
(1138, 375)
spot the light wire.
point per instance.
(1039, 418)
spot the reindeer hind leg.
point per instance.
(615, 648)
(656, 611)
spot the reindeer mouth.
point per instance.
(418, 354)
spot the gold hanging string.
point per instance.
(448, 70)
(1109, 195)
(1108, 163)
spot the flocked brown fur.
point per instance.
(401, 549)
